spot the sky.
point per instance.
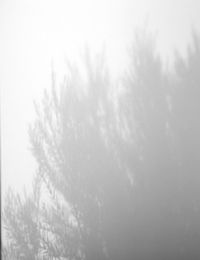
(38, 34)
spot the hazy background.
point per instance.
(36, 34)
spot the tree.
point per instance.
(186, 132)
(20, 219)
(116, 179)
(148, 155)
(160, 109)
(73, 142)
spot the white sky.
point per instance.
(35, 33)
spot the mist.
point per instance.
(107, 145)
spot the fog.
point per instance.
(100, 125)
(39, 35)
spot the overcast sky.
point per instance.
(35, 33)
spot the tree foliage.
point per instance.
(118, 175)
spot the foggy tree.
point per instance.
(186, 140)
(118, 176)
(20, 220)
(161, 111)
(73, 143)
(36, 229)
(148, 155)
